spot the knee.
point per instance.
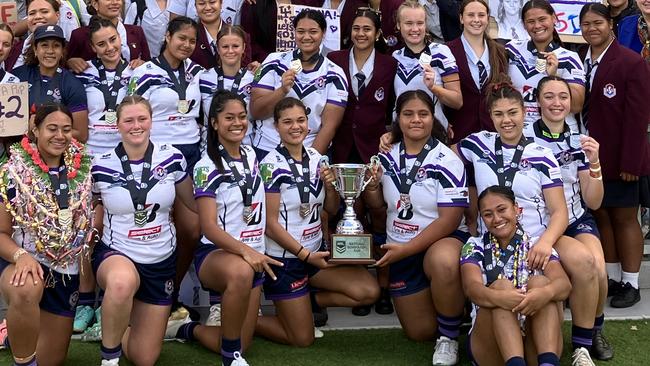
(538, 281)
(25, 296)
(445, 268)
(303, 340)
(240, 278)
(502, 284)
(121, 287)
(366, 293)
(582, 268)
(419, 334)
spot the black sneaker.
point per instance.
(362, 310)
(383, 305)
(627, 297)
(600, 347)
(614, 288)
(320, 317)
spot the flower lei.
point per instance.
(35, 209)
(517, 274)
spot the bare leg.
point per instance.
(143, 339)
(53, 339)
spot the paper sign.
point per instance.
(285, 40)
(8, 13)
(14, 113)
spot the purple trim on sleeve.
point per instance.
(453, 204)
(261, 86)
(453, 70)
(340, 104)
(469, 260)
(201, 193)
(556, 183)
(179, 181)
(78, 108)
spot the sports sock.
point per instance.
(548, 359)
(599, 322)
(614, 271)
(581, 337)
(228, 348)
(86, 298)
(111, 353)
(31, 362)
(516, 361)
(449, 326)
(186, 331)
(631, 277)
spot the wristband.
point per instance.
(298, 254)
(307, 258)
(17, 254)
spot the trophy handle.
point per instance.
(374, 162)
(324, 162)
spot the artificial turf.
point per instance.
(379, 347)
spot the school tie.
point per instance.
(213, 46)
(482, 74)
(361, 79)
(585, 107)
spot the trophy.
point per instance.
(350, 245)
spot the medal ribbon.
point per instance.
(507, 175)
(493, 273)
(180, 83)
(405, 180)
(60, 187)
(245, 182)
(138, 192)
(235, 84)
(109, 92)
(302, 182)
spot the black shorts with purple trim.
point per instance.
(292, 279)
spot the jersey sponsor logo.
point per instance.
(456, 192)
(609, 91)
(266, 171)
(467, 250)
(257, 214)
(299, 284)
(251, 236)
(145, 234)
(404, 228)
(398, 285)
(310, 233)
(56, 94)
(404, 213)
(315, 213)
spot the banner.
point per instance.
(14, 113)
(568, 15)
(8, 13)
(285, 40)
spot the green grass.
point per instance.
(363, 347)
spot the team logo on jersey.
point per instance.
(189, 77)
(148, 66)
(169, 287)
(391, 41)
(584, 228)
(467, 250)
(116, 176)
(266, 171)
(320, 82)
(609, 91)
(200, 176)
(69, 15)
(159, 173)
(229, 20)
(73, 299)
(56, 94)
(247, 89)
(421, 175)
(379, 94)
(525, 165)
(565, 158)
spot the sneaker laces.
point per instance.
(238, 360)
(581, 357)
(445, 346)
(601, 340)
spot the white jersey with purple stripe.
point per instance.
(572, 160)
(208, 83)
(439, 182)
(102, 134)
(538, 170)
(154, 241)
(325, 84)
(221, 185)
(170, 126)
(522, 56)
(278, 178)
(410, 73)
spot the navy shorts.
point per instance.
(586, 224)
(156, 279)
(192, 154)
(199, 256)
(293, 279)
(619, 193)
(61, 294)
(461, 236)
(407, 277)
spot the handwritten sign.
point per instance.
(14, 114)
(568, 15)
(8, 13)
(285, 40)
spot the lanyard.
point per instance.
(235, 84)
(52, 85)
(109, 92)
(493, 272)
(138, 192)
(507, 175)
(180, 82)
(60, 187)
(405, 180)
(245, 182)
(302, 181)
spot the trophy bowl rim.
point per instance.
(348, 166)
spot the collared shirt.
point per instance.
(366, 70)
(594, 63)
(433, 18)
(26, 44)
(69, 20)
(472, 60)
(154, 23)
(327, 4)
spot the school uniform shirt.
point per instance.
(102, 133)
(63, 88)
(134, 43)
(169, 124)
(278, 178)
(325, 84)
(72, 15)
(522, 56)
(210, 182)
(230, 10)
(17, 53)
(537, 170)
(572, 160)
(154, 23)
(205, 52)
(440, 182)
(154, 241)
(410, 74)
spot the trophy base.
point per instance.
(351, 249)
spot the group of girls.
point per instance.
(257, 218)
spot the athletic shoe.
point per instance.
(3, 333)
(383, 305)
(83, 318)
(581, 357)
(362, 310)
(614, 288)
(320, 317)
(214, 318)
(446, 352)
(627, 297)
(111, 362)
(179, 314)
(173, 325)
(600, 348)
(318, 333)
(239, 360)
(94, 333)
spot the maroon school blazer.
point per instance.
(79, 45)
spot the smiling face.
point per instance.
(209, 11)
(231, 123)
(474, 18)
(231, 50)
(109, 9)
(411, 23)
(309, 36)
(40, 12)
(107, 44)
(134, 124)
(363, 33)
(499, 215)
(508, 118)
(644, 7)
(539, 25)
(292, 126)
(416, 120)
(181, 44)
(6, 41)
(596, 30)
(554, 101)
(53, 135)
(49, 52)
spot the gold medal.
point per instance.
(540, 65)
(183, 106)
(305, 208)
(248, 214)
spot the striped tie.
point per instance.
(585, 107)
(361, 79)
(482, 74)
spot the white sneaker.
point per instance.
(446, 352)
(239, 360)
(111, 362)
(318, 333)
(581, 357)
(214, 318)
(173, 325)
